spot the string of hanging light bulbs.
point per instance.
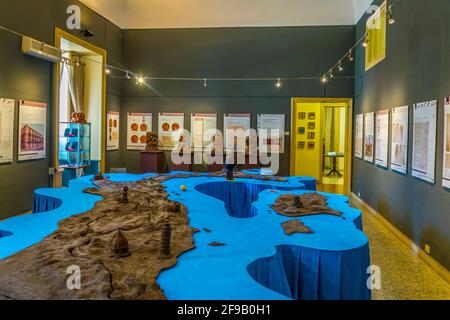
(142, 80)
(364, 41)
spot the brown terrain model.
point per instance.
(307, 204)
(117, 246)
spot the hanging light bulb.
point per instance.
(366, 41)
(140, 80)
(108, 71)
(205, 83)
(128, 75)
(324, 79)
(340, 67)
(278, 85)
(350, 56)
(391, 18)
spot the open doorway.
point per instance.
(80, 88)
(321, 142)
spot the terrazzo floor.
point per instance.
(404, 276)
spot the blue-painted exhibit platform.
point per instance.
(259, 261)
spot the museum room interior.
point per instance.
(224, 150)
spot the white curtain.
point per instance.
(76, 85)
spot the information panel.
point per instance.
(170, 130)
(359, 136)
(272, 140)
(446, 180)
(400, 139)
(6, 129)
(382, 138)
(204, 131)
(369, 137)
(237, 122)
(424, 141)
(113, 134)
(32, 130)
(138, 125)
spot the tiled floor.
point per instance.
(404, 276)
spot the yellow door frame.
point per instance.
(59, 34)
(348, 130)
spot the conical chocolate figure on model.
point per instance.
(124, 199)
(166, 235)
(121, 248)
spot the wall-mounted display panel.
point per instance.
(138, 125)
(239, 122)
(446, 177)
(359, 135)
(369, 136)
(7, 107)
(170, 130)
(382, 138)
(275, 125)
(400, 139)
(113, 134)
(424, 141)
(32, 130)
(204, 132)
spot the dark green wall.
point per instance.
(25, 77)
(230, 53)
(416, 69)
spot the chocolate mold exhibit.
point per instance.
(138, 237)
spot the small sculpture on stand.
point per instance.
(78, 117)
(121, 248)
(124, 199)
(99, 177)
(152, 142)
(298, 202)
(229, 169)
(166, 235)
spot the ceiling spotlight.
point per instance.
(331, 75)
(205, 83)
(340, 67)
(278, 83)
(391, 18)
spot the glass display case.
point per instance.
(74, 145)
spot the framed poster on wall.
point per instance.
(237, 122)
(113, 134)
(32, 130)
(274, 124)
(424, 141)
(138, 125)
(204, 131)
(400, 139)
(170, 129)
(369, 136)
(7, 110)
(359, 136)
(382, 138)
(446, 177)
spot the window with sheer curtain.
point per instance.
(376, 36)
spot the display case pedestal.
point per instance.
(153, 162)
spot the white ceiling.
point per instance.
(157, 14)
